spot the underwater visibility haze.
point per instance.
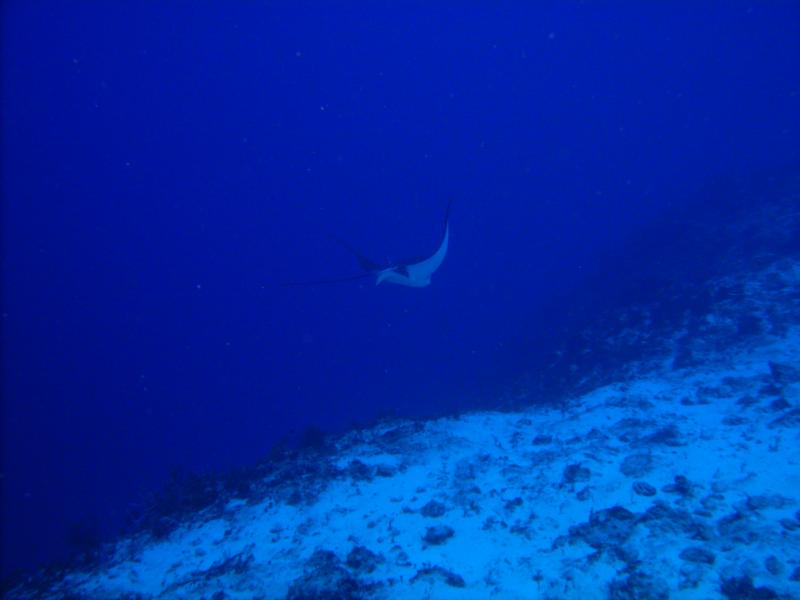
(200, 198)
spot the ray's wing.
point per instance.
(370, 267)
(326, 281)
(418, 270)
(425, 268)
(366, 263)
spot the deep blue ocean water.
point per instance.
(167, 165)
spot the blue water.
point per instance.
(166, 166)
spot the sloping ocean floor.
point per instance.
(678, 482)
